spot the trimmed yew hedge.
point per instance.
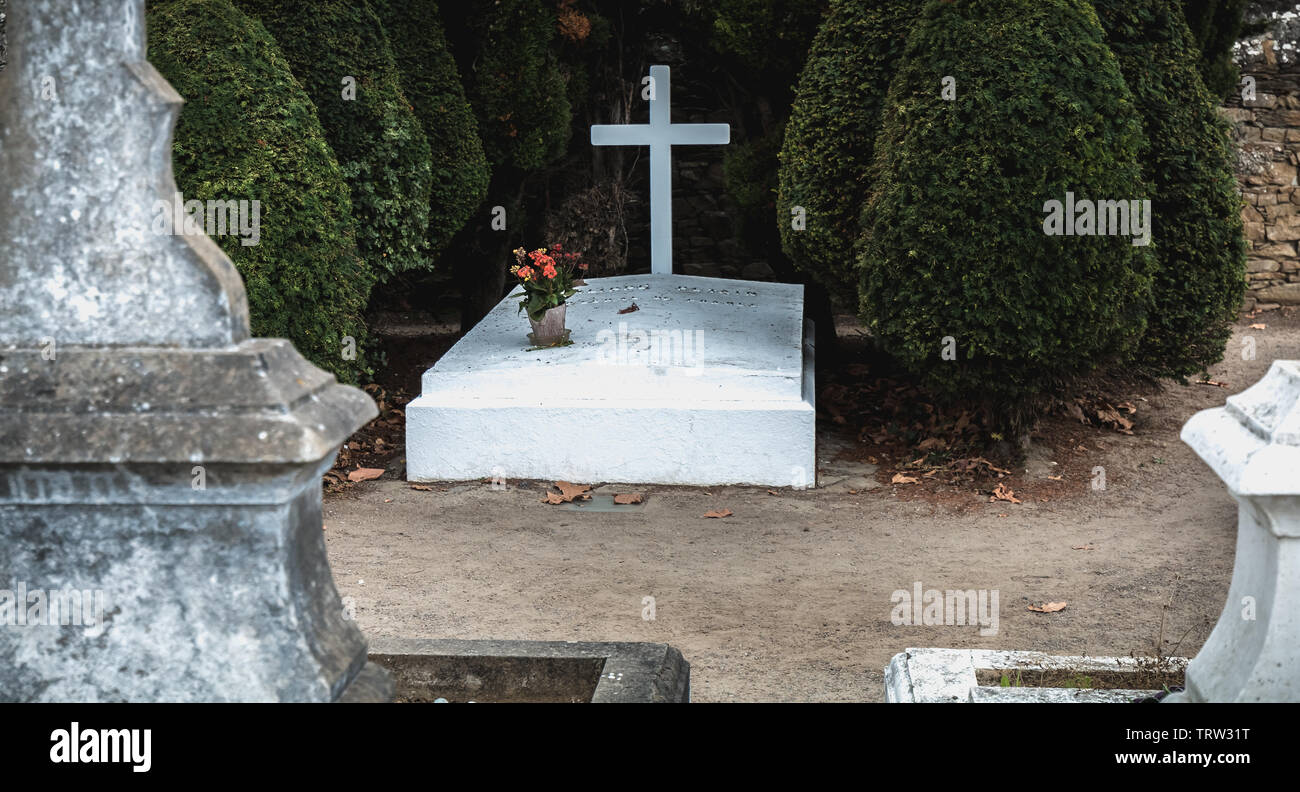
(431, 81)
(249, 132)
(378, 140)
(1188, 160)
(830, 139)
(954, 243)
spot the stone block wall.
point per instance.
(1266, 129)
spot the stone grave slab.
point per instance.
(709, 381)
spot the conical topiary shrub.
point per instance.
(335, 46)
(517, 89)
(829, 140)
(248, 132)
(431, 81)
(960, 279)
(1200, 249)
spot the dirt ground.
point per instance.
(789, 599)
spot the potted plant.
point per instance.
(548, 278)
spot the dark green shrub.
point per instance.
(376, 136)
(249, 132)
(1200, 249)
(828, 149)
(517, 89)
(431, 81)
(1215, 26)
(767, 35)
(954, 242)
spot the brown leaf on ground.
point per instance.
(1083, 547)
(365, 474)
(899, 478)
(1055, 478)
(718, 514)
(1259, 327)
(568, 493)
(421, 488)
(633, 308)
(930, 443)
(1050, 607)
(1003, 493)
(574, 491)
(628, 499)
(1215, 383)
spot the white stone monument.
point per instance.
(1253, 444)
(707, 382)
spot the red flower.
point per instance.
(550, 270)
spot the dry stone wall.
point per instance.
(1266, 119)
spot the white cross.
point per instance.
(661, 134)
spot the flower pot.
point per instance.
(550, 330)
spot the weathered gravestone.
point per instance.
(671, 379)
(154, 460)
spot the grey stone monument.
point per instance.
(155, 460)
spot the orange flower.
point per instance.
(526, 273)
(550, 271)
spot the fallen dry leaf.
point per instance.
(1051, 607)
(899, 478)
(774, 492)
(1003, 493)
(568, 493)
(1083, 547)
(629, 498)
(365, 474)
(718, 514)
(633, 308)
(574, 491)
(1215, 383)
(1055, 478)
(421, 488)
(1259, 327)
